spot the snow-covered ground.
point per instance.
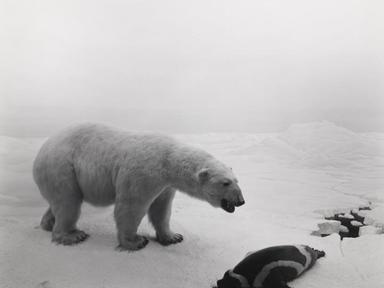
(290, 180)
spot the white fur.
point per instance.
(138, 172)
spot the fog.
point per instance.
(191, 66)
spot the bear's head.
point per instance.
(220, 187)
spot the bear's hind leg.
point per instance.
(47, 221)
(66, 215)
(57, 183)
(159, 214)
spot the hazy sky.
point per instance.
(209, 65)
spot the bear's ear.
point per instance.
(203, 175)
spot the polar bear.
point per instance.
(138, 172)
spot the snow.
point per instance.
(356, 223)
(370, 230)
(291, 181)
(330, 227)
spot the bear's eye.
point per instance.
(226, 183)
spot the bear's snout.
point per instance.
(235, 200)
(227, 206)
(240, 200)
(240, 203)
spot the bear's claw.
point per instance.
(170, 239)
(139, 243)
(72, 238)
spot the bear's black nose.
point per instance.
(242, 202)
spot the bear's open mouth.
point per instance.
(229, 207)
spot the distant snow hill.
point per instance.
(318, 144)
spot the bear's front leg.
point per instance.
(128, 218)
(160, 213)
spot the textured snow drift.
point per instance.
(319, 144)
(290, 180)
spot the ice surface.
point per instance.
(290, 180)
(356, 223)
(346, 216)
(370, 230)
(329, 227)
